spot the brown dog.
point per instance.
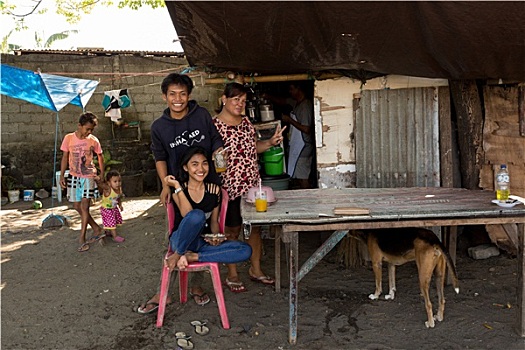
(401, 245)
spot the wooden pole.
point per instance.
(465, 96)
(267, 79)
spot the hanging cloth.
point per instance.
(113, 101)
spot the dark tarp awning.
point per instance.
(441, 39)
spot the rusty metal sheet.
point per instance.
(397, 138)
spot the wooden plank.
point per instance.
(277, 267)
(521, 109)
(521, 282)
(450, 240)
(360, 225)
(446, 162)
(470, 122)
(351, 211)
(385, 204)
(502, 142)
(445, 138)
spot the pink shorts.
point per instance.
(111, 218)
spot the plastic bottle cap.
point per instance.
(503, 166)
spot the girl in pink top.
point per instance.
(78, 149)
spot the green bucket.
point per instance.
(273, 160)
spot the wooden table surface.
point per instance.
(298, 211)
(316, 206)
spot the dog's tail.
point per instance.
(451, 268)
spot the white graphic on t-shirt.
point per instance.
(188, 138)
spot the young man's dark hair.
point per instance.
(176, 79)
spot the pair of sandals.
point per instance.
(184, 341)
(238, 286)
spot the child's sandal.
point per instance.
(118, 239)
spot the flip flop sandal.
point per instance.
(118, 239)
(96, 238)
(83, 248)
(263, 279)
(183, 341)
(153, 309)
(200, 327)
(202, 300)
(235, 287)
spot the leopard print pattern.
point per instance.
(242, 171)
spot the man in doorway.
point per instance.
(301, 136)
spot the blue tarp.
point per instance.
(53, 92)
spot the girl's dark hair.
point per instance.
(86, 118)
(182, 175)
(233, 90)
(111, 173)
(176, 79)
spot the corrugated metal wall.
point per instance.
(397, 138)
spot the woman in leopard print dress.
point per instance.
(242, 173)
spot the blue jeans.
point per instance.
(188, 238)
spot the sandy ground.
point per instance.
(56, 298)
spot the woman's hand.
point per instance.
(277, 137)
(170, 180)
(214, 239)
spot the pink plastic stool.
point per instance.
(213, 267)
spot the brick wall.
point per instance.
(28, 131)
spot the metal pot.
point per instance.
(266, 113)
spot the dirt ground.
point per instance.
(56, 298)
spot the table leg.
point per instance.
(293, 253)
(277, 264)
(521, 279)
(320, 253)
(450, 239)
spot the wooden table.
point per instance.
(312, 210)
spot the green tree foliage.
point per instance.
(53, 38)
(71, 10)
(5, 46)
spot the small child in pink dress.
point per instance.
(111, 204)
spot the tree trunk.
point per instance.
(467, 103)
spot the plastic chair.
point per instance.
(213, 267)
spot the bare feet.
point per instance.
(191, 257)
(182, 263)
(172, 261)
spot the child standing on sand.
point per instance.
(112, 204)
(78, 149)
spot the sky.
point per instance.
(110, 28)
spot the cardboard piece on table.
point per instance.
(351, 211)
